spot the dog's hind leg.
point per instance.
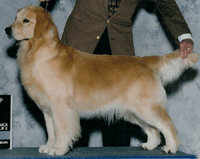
(66, 126)
(165, 125)
(50, 131)
(153, 135)
(157, 117)
(148, 104)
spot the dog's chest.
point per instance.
(30, 78)
(35, 91)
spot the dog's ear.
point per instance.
(43, 24)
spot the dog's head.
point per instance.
(30, 22)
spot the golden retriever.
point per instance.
(67, 84)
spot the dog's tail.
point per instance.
(171, 66)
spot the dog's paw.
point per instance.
(56, 151)
(169, 149)
(148, 146)
(44, 149)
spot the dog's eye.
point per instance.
(26, 21)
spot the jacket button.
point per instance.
(98, 37)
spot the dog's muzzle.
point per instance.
(8, 31)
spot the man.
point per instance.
(105, 27)
(89, 19)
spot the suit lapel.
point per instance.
(105, 4)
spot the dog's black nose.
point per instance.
(8, 31)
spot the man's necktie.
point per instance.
(112, 7)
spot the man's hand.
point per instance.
(186, 47)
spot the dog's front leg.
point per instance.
(50, 131)
(66, 127)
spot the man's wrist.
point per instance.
(187, 36)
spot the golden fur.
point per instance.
(68, 84)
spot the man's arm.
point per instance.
(177, 25)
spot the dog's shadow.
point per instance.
(187, 76)
(12, 50)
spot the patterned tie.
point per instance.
(112, 6)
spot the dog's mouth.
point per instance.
(8, 31)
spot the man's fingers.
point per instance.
(185, 49)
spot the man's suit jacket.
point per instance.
(89, 19)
